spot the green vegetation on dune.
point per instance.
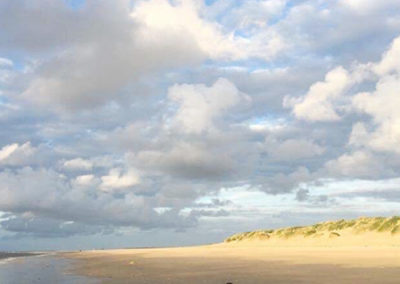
(396, 229)
(310, 233)
(261, 235)
(334, 234)
(330, 228)
(389, 224)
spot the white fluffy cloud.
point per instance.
(390, 61)
(324, 99)
(360, 164)
(78, 164)
(199, 105)
(104, 51)
(319, 102)
(85, 180)
(161, 18)
(370, 139)
(118, 179)
(16, 154)
(382, 104)
(98, 63)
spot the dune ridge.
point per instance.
(364, 231)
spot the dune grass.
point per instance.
(331, 228)
(334, 235)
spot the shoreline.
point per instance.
(5, 255)
(40, 268)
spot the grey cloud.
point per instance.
(283, 183)
(25, 154)
(48, 228)
(215, 202)
(48, 194)
(189, 161)
(390, 195)
(15, 154)
(362, 164)
(120, 117)
(99, 55)
(209, 213)
(291, 149)
(344, 40)
(302, 194)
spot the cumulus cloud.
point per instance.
(48, 194)
(16, 154)
(78, 164)
(382, 103)
(85, 180)
(319, 102)
(163, 19)
(382, 106)
(390, 59)
(359, 164)
(117, 179)
(200, 105)
(103, 52)
(369, 139)
(324, 99)
(108, 47)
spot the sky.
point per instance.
(163, 123)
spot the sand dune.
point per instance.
(377, 231)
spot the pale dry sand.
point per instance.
(249, 262)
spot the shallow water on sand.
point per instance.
(39, 269)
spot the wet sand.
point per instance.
(243, 264)
(45, 268)
(15, 254)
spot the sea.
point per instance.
(44, 268)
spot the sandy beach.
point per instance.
(242, 264)
(365, 250)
